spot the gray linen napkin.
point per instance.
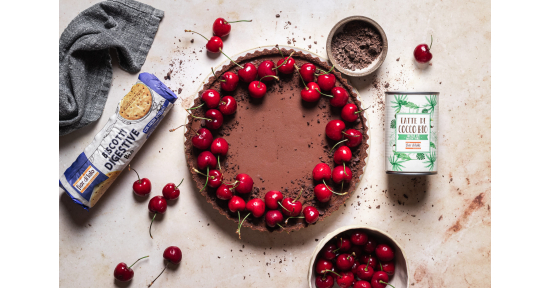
(85, 70)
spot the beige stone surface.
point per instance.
(442, 221)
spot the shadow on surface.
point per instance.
(407, 190)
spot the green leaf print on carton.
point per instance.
(420, 156)
(431, 158)
(393, 123)
(431, 103)
(411, 105)
(425, 111)
(433, 145)
(401, 100)
(397, 165)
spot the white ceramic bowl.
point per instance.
(399, 280)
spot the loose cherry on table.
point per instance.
(329, 251)
(370, 246)
(203, 139)
(258, 89)
(244, 183)
(359, 238)
(124, 273)
(214, 45)
(311, 214)
(388, 267)
(324, 281)
(227, 105)
(341, 175)
(222, 27)
(365, 272)
(340, 96)
(334, 129)
(350, 112)
(307, 72)
(362, 284)
(344, 261)
(422, 53)
(291, 207)
(141, 186)
(170, 191)
(384, 252)
(380, 280)
(157, 204)
(286, 64)
(274, 218)
(326, 81)
(343, 244)
(346, 279)
(272, 198)
(224, 192)
(172, 255)
(353, 137)
(266, 68)
(322, 172)
(206, 159)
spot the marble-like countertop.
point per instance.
(442, 221)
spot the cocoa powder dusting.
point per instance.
(357, 46)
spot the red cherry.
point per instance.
(310, 93)
(311, 214)
(324, 281)
(211, 98)
(362, 284)
(157, 204)
(384, 252)
(379, 279)
(141, 187)
(171, 254)
(237, 204)
(342, 154)
(388, 267)
(307, 72)
(288, 67)
(273, 218)
(245, 184)
(216, 178)
(292, 207)
(365, 272)
(349, 113)
(124, 273)
(323, 193)
(322, 266)
(224, 192)
(369, 260)
(339, 174)
(257, 89)
(344, 244)
(346, 279)
(206, 159)
(214, 45)
(359, 238)
(272, 198)
(328, 252)
(266, 68)
(222, 28)
(227, 106)
(322, 172)
(215, 119)
(356, 264)
(370, 246)
(340, 97)
(354, 137)
(345, 261)
(247, 73)
(334, 129)
(422, 53)
(220, 147)
(357, 250)
(229, 81)
(256, 206)
(203, 139)
(326, 81)
(170, 191)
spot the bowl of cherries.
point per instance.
(358, 256)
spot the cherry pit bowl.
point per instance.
(399, 280)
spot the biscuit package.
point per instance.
(136, 117)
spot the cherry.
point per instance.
(224, 192)
(322, 266)
(266, 68)
(350, 112)
(379, 280)
(342, 154)
(247, 73)
(365, 272)
(237, 204)
(272, 198)
(370, 246)
(362, 284)
(256, 206)
(222, 28)
(388, 267)
(343, 245)
(326, 81)
(227, 106)
(422, 53)
(229, 81)
(157, 204)
(258, 89)
(203, 139)
(286, 64)
(171, 254)
(340, 175)
(307, 72)
(170, 191)
(359, 238)
(334, 129)
(355, 264)
(323, 193)
(344, 262)
(245, 183)
(310, 93)
(211, 98)
(340, 97)
(141, 187)
(214, 119)
(369, 260)
(322, 172)
(220, 147)
(215, 179)
(311, 214)
(291, 207)
(346, 279)
(206, 159)
(328, 252)
(273, 218)
(214, 45)
(124, 273)
(324, 281)
(384, 252)
(353, 137)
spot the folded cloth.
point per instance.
(85, 70)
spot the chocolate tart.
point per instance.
(277, 140)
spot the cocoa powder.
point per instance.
(357, 46)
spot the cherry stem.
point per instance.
(430, 49)
(207, 177)
(238, 21)
(197, 33)
(240, 223)
(323, 93)
(280, 51)
(367, 264)
(342, 183)
(201, 173)
(381, 267)
(267, 76)
(280, 225)
(150, 234)
(180, 183)
(332, 190)
(326, 72)
(297, 68)
(159, 274)
(344, 170)
(219, 163)
(283, 207)
(196, 107)
(331, 272)
(338, 144)
(339, 245)
(138, 261)
(216, 75)
(350, 135)
(286, 60)
(357, 112)
(298, 196)
(171, 130)
(383, 282)
(138, 179)
(230, 59)
(203, 118)
(286, 222)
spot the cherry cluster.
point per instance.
(356, 261)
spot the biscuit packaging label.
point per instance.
(135, 119)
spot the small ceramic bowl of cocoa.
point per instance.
(357, 46)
